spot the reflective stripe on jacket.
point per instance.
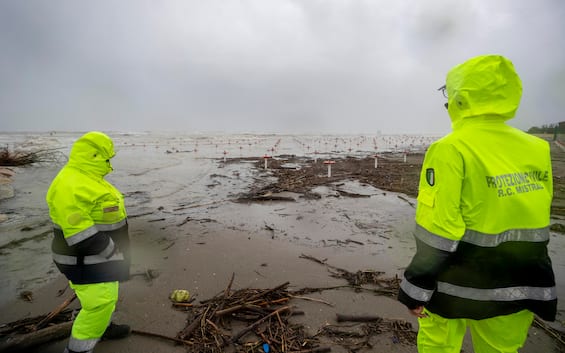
(483, 209)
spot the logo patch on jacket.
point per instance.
(111, 209)
(430, 176)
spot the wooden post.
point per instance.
(329, 164)
(266, 158)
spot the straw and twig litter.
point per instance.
(246, 320)
(14, 158)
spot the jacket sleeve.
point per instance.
(439, 224)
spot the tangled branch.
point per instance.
(11, 158)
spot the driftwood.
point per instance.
(187, 331)
(358, 336)
(559, 336)
(241, 333)
(16, 343)
(265, 196)
(312, 299)
(352, 194)
(407, 201)
(157, 335)
(385, 286)
(54, 313)
(38, 330)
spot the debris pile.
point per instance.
(249, 320)
(29, 332)
(392, 174)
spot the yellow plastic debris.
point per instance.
(180, 296)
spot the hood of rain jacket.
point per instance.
(91, 153)
(484, 86)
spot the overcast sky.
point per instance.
(283, 66)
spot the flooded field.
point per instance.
(163, 176)
(202, 207)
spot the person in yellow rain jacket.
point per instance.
(91, 242)
(482, 220)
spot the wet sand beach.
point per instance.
(204, 208)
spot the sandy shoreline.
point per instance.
(184, 226)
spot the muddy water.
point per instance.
(25, 237)
(371, 226)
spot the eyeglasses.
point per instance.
(443, 90)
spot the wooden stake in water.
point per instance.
(266, 159)
(329, 164)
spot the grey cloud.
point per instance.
(285, 66)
